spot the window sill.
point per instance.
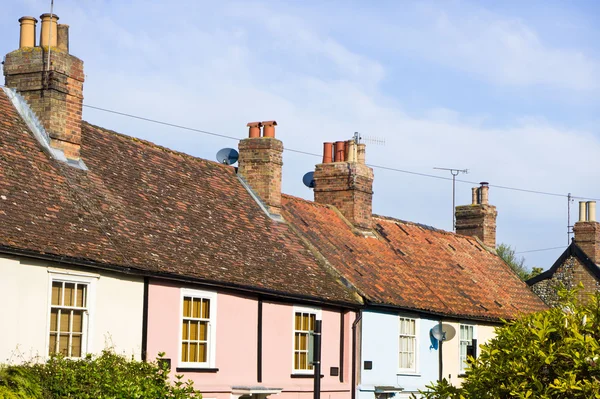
(196, 370)
(311, 376)
(461, 375)
(409, 373)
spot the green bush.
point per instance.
(548, 355)
(108, 376)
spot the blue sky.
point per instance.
(509, 90)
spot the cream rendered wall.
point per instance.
(116, 309)
(451, 363)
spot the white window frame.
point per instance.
(212, 328)
(88, 320)
(461, 368)
(318, 316)
(415, 369)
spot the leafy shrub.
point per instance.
(107, 376)
(547, 355)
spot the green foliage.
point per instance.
(547, 355)
(106, 376)
(508, 255)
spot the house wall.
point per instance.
(116, 305)
(380, 345)
(570, 274)
(451, 349)
(236, 345)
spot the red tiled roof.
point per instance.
(145, 207)
(415, 267)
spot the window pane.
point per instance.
(206, 308)
(64, 320)
(77, 321)
(196, 311)
(203, 330)
(56, 293)
(184, 330)
(187, 307)
(69, 294)
(303, 341)
(53, 319)
(184, 351)
(298, 323)
(297, 360)
(193, 352)
(311, 326)
(76, 346)
(303, 361)
(193, 330)
(63, 345)
(304, 322)
(52, 345)
(81, 295)
(202, 353)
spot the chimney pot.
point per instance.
(591, 211)
(339, 151)
(483, 193)
(351, 156)
(269, 128)
(62, 37)
(254, 130)
(327, 152)
(474, 196)
(48, 35)
(27, 37)
(361, 153)
(582, 211)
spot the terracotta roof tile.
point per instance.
(414, 266)
(145, 207)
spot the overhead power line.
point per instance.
(539, 250)
(319, 155)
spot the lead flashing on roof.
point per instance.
(36, 127)
(257, 199)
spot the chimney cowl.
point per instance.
(254, 130)
(269, 128)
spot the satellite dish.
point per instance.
(227, 156)
(309, 180)
(443, 332)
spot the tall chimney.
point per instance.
(479, 218)
(260, 163)
(54, 92)
(587, 231)
(346, 183)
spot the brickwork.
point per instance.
(56, 96)
(349, 187)
(569, 274)
(478, 220)
(587, 237)
(260, 165)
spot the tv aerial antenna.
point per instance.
(454, 173)
(359, 138)
(569, 225)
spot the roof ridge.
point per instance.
(153, 145)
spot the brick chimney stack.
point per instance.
(479, 218)
(260, 163)
(346, 182)
(587, 231)
(55, 91)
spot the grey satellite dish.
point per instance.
(443, 332)
(227, 156)
(309, 180)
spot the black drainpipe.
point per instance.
(145, 321)
(356, 321)
(259, 342)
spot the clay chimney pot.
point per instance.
(48, 36)
(254, 130)
(327, 152)
(339, 151)
(62, 37)
(269, 128)
(27, 37)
